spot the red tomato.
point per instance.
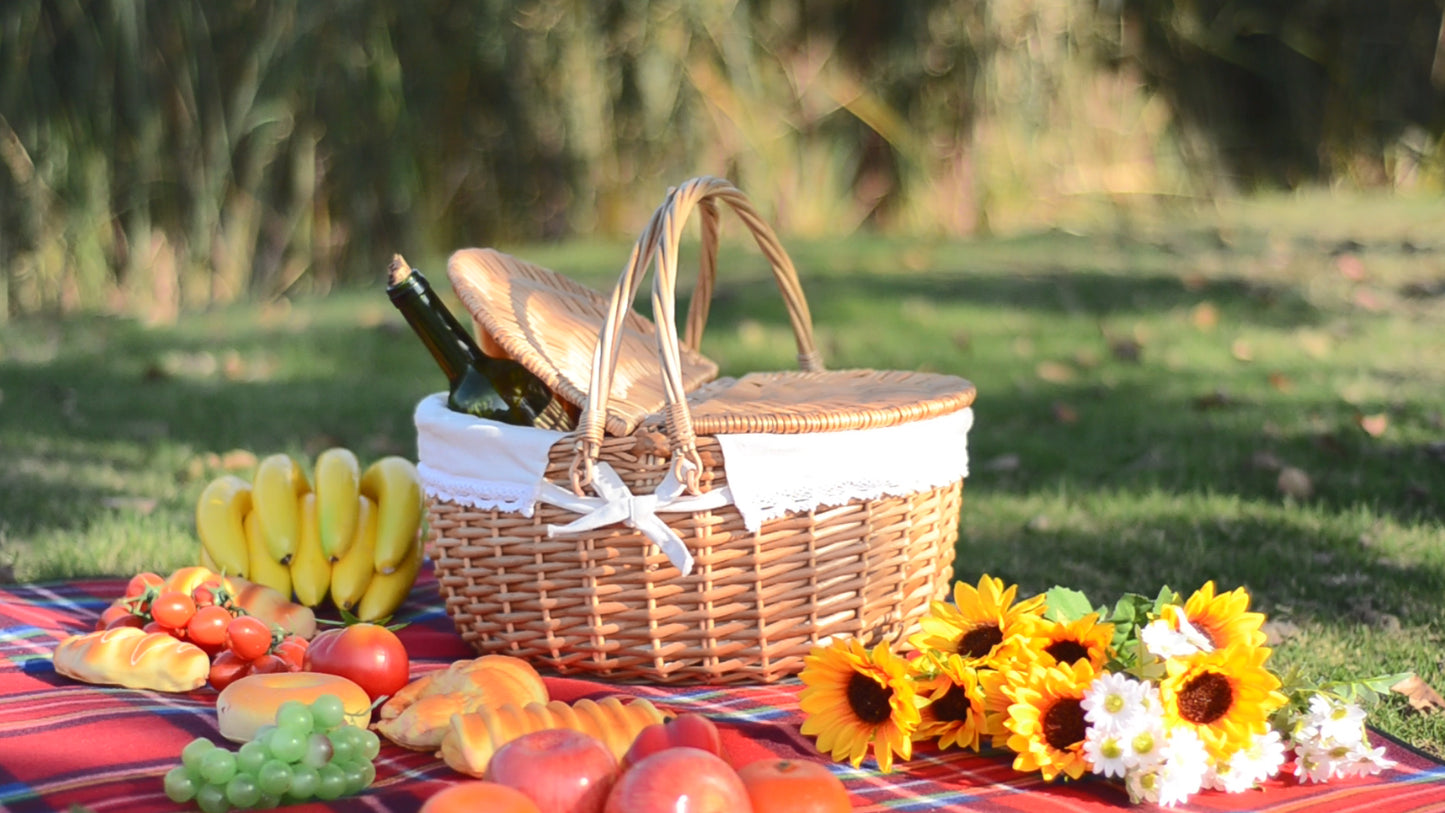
(112, 613)
(679, 780)
(562, 770)
(127, 619)
(688, 729)
(469, 797)
(207, 628)
(794, 786)
(248, 636)
(267, 664)
(207, 592)
(292, 650)
(173, 609)
(370, 655)
(139, 582)
(156, 626)
(226, 669)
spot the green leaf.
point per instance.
(1066, 604)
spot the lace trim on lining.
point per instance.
(485, 494)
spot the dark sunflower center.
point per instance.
(980, 641)
(1068, 652)
(1205, 698)
(953, 707)
(1064, 723)
(869, 700)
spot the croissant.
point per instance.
(500, 679)
(471, 739)
(133, 658)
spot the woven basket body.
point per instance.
(607, 603)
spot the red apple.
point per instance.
(562, 770)
(680, 779)
(688, 730)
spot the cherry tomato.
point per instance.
(140, 582)
(248, 637)
(226, 669)
(207, 628)
(156, 626)
(128, 619)
(207, 592)
(292, 650)
(267, 664)
(111, 613)
(370, 655)
(173, 609)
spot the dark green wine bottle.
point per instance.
(493, 388)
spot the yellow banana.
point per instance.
(264, 569)
(392, 483)
(351, 574)
(388, 590)
(220, 514)
(338, 484)
(310, 569)
(279, 481)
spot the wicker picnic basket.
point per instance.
(609, 599)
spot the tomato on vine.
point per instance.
(207, 628)
(173, 609)
(249, 637)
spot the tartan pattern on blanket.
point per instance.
(65, 743)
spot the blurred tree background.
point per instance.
(157, 155)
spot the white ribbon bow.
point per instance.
(639, 511)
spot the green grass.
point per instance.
(1140, 387)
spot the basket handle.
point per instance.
(660, 240)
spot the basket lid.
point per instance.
(550, 324)
(828, 401)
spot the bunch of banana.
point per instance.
(354, 538)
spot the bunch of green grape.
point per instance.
(309, 753)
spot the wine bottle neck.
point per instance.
(448, 342)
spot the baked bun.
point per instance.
(130, 657)
(251, 702)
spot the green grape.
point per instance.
(304, 781)
(267, 801)
(332, 783)
(263, 732)
(359, 776)
(181, 787)
(241, 791)
(212, 799)
(274, 777)
(194, 750)
(251, 756)
(368, 743)
(343, 744)
(328, 712)
(295, 714)
(318, 751)
(218, 766)
(287, 745)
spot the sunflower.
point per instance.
(1226, 696)
(1046, 718)
(1224, 617)
(1068, 642)
(983, 625)
(853, 696)
(954, 714)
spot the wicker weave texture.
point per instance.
(606, 604)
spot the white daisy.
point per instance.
(1143, 786)
(1250, 765)
(1333, 720)
(1366, 761)
(1148, 745)
(1314, 763)
(1115, 702)
(1174, 640)
(1181, 775)
(1108, 752)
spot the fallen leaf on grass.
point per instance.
(1241, 350)
(1266, 461)
(1054, 372)
(1277, 631)
(1063, 413)
(1374, 425)
(1422, 697)
(1315, 343)
(1295, 483)
(1280, 382)
(1205, 316)
(1369, 300)
(1350, 266)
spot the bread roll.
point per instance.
(251, 702)
(133, 658)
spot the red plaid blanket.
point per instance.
(64, 743)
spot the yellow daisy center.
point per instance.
(979, 641)
(1063, 724)
(1068, 651)
(1205, 698)
(869, 701)
(953, 706)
